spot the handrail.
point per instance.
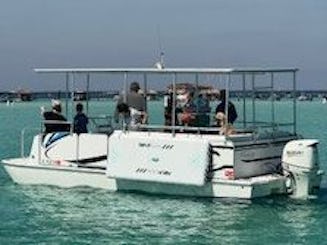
(60, 122)
(22, 140)
(188, 129)
(57, 122)
(102, 116)
(152, 126)
(211, 128)
(269, 123)
(23, 132)
(101, 122)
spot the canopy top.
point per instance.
(166, 70)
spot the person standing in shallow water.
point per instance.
(80, 120)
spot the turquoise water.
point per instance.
(43, 215)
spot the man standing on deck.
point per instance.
(133, 108)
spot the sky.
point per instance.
(192, 33)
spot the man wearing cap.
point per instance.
(134, 106)
(55, 115)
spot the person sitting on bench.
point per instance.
(55, 115)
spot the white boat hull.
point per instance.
(26, 173)
(23, 172)
(158, 163)
(244, 188)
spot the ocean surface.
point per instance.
(51, 215)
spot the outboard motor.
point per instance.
(300, 163)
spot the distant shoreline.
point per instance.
(6, 95)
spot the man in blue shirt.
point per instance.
(80, 120)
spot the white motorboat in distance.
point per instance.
(259, 158)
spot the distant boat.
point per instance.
(303, 97)
(6, 98)
(16, 96)
(24, 95)
(3, 98)
(80, 96)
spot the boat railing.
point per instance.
(250, 129)
(59, 123)
(186, 129)
(266, 124)
(102, 123)
(23, 138)
(257, 126)
(250, 81)
(41, 131)
(68, 124)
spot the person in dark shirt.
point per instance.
(232, 114)
(80, 120)
(55, 115)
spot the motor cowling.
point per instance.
(300, 163)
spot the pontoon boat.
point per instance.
(261, 158)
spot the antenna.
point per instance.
(160, 64)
